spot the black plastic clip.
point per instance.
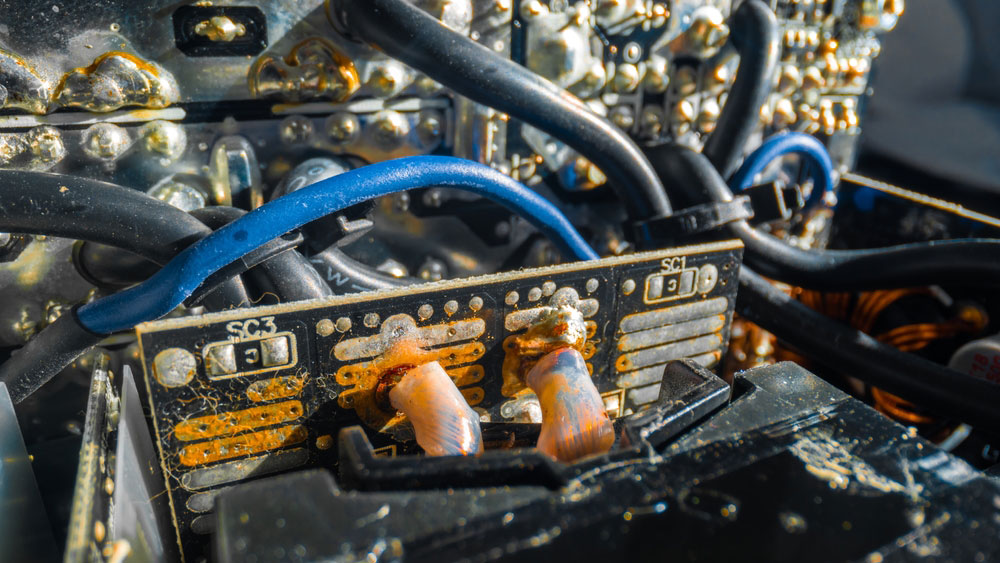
(774, 201)
(694, 220)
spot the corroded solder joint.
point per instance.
(443, 422)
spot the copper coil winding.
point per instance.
(863, 310)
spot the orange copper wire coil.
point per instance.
(863, 313)
(898, 408)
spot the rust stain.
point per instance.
(370, 382)
(473, 395)
(409, 352)
(467, 375)
(229, 423)
(275, 388)
(246, 444)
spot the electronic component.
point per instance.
(792, 469)
(239, 394)
(209, 192)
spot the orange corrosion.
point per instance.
(443, 421)
(275, 388)
(235, 422)
(575, 422)
(244, 444)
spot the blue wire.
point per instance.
(780, 145)
(169, 287)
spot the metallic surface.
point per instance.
(210, 432)
(24, 526)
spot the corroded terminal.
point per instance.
(575, 422)
(220, 28)
(443, 422)
(558, 327)
(20, 86)
(314, 69)
(554, 328)
(39, 148)
(116, 80)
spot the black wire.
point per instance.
(960, 262)
(42, 203)
(288, 275)
(755, 35)
(409, 34)
(833, 344)
(57, 205)
(850, 351)
(55, 347)
(347, 275)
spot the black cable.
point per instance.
(57, 205)
(288, 274)
(346, 275)
(416, 38)
(42, 203)
(45, 355)
(850, 351)
(755, 35)
(960, 262)
(833, 344)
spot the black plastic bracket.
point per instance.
(270, 249)
(689, 393)
(774, 201)
(361, 469)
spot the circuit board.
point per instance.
(250, 392)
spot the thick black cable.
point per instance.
(831, 343)
(288, 274)
(962, 262)
(755, 34)
(847, 350)
(42, 203)
(409, 34)
(55, 347)
(57, 205)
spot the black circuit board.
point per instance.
(252, 392)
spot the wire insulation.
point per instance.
(960, 262)
(405, 32)
(755, 34)
(287, 274)
(167, 289)
(848, 350)
(57, 205)
(777, 146)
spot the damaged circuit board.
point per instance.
(250, 392)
